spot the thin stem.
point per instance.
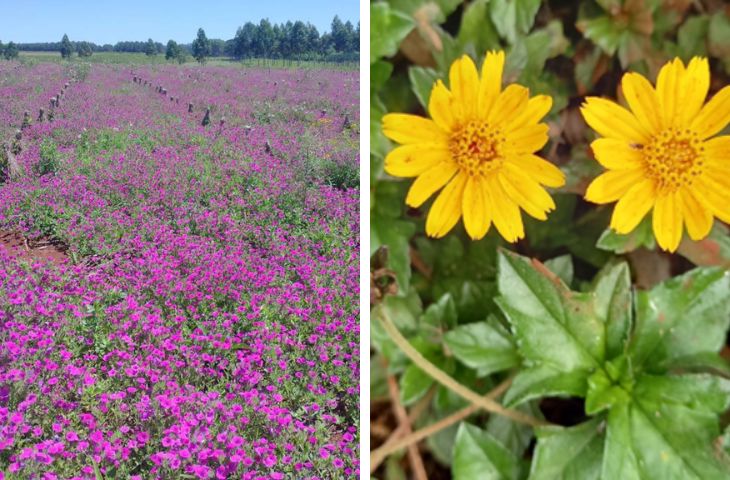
(444, 379)
(378, 455)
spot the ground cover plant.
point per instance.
(178, 272)
(550, 295)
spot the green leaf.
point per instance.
(484, 346)
(603, 32)
(513, 18)
(553, 326)
(388, 28)
(380, 72)
(718, 38)
(668, 432)
(477, 28)
(414, 383)
(562, 266)
(479, 455)
(546, 381)
(542, 44)
(641, 236)
(609, 386)
(439, 317)
(682, 317)
(612, 302)
(437, 10)
(569, 453)
(515, 436)
(422, 82)
(394, 234)
(692, 36)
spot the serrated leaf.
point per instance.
(422, 82)
(441, 315)
(553, 326)
(562, 266)
(513, 18)
(414, 383)
(388, 28)
(718, 37)
(684, 316)
(567, 453)
(483, 346)
(478, 455)
(541, 45)
(641, 236)
(668, 431)
(477, 28)
(546, 381)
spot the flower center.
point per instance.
(673, 158)
(477, 147)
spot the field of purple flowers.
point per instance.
(199, 317)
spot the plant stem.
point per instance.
(444, 379)
(388, 448)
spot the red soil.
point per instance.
(22, 249)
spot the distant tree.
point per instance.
(84, 49)
(150, 48)
(11, 51)
(201, 46)
(217, 47)
(66, 47)
(265, 39)
(172, 51)
(244, 40)
(340, 37)
(2, 49)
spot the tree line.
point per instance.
(290, 41)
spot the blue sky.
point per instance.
(112, 21)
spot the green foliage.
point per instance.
(49, 158)
(66, 47)
(150, 48)
(10, 52)
(84, 49)
(201, 47)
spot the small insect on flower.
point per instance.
(660, 155)
(479, 147)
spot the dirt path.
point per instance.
(16, 245)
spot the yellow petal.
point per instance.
(613, 121)
(718, 178)
(477, 217)
(541, 170)
(525, 192)
(669, 90)
(441, 106)
(696, 216)
(633, 207)
(696, 84)
(612, 185)
(505, 213)
(616, 154)
(667, 222)
(491, 82)
(446, 210)
(717, 151)
(714, 198)
(528, 139)
(537, 107)
(429, 182)
(464, 82)
(404, 128)
(714, 115)
(643, 101)
(510, 103)
(413, 160)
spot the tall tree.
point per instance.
(11, 51)
(201, 46)
(244, 40)
(150, 48)
(340, 37)
(66, 47)
(265, 39)
(173, 50)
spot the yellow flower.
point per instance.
(478, 146)
(660, 155)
